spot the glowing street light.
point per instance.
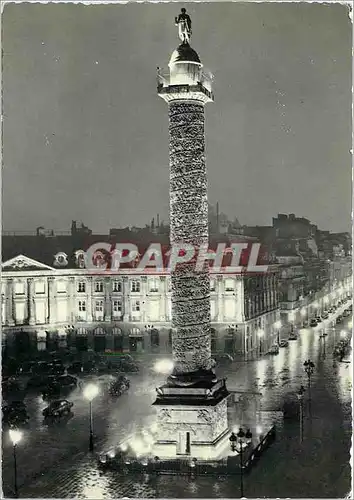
(163, 366)
(343, 334)
(90, 392)
(15, 437)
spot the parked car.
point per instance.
(283, 343)
(339, 319)
(58, 408)
(127, 364)
(274, 349)
(119, 386)
(346, 313)
(325, 315)
(26, 368)
(313, 323)
(15, 414)
(76, 368)
(293, 336)
(66, 381)
(56, 368)
(318, 319)
(51, 392)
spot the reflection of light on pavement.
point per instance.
(279, 360)
(293, 355)
(261, 371)
(305, 342)
(95, 491)
(345, 381)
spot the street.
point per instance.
(53, 461)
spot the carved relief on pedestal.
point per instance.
(165, 415)
(205, 416)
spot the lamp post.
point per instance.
(240, 438)
(15, 437)
(309, 367)
(277, 326)
(90, 392)
(323, 337)
(300, 396)
(260, 335)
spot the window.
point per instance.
(98, 286)
(82, 305)
(135, 286)
(19, 288)
(81, 287)
(212, 285)
(229, 285)
(39, 287)
(136, 306)
(117, 286)
(99, 305)
(117, 306)
(153, 285)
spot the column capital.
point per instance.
(144, 279)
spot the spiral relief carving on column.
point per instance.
(189, 224)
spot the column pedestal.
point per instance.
(192, 421)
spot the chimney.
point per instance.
(158, 220)
(217, 216)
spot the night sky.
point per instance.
(86, 136)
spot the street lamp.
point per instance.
(90, 392)
(309, 367)
(343, 334)
(240, 438)
(277, 326)
(300, 396)
(323, 336)
(15, 437)
(260, 335)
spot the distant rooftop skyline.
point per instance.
(86, 137)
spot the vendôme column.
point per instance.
(186, 90)
(192, 406)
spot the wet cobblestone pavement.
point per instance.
(53, 462)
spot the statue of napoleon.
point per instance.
(184, 23)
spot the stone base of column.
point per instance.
(192, 421)
(205, 379)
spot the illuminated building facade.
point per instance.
(45, 307)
